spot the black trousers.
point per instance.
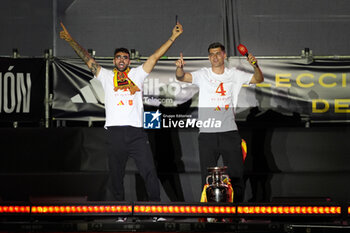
(228, 145)
(125, 142)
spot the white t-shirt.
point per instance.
(218, 94)
(121, 107)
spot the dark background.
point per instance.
(267, 27)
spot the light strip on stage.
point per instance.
(12, 209)
(175, 209)
(197, 210)
(183, 209)
(289, 210)
(82, 209)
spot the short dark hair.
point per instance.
(216, 45)
(123, 50)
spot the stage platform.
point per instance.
(171, 225)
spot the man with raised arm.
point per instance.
(218, 92)
(124, 113)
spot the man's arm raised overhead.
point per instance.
(153, 59)
(82, 53)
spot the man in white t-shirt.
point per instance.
(124, 113)
(218, 92)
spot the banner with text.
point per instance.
(22, 89)
(311, 89)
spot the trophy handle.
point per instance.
(207, 179)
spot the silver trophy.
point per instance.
(217, 190)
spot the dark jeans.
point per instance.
(125, 141)
(228, 145)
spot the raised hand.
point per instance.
(180, 74)
(180, 63)
(64, 34)
(252, 60)
(177, 31)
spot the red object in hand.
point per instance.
(242, 50)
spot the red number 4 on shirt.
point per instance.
(221, 90)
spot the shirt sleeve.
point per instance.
(196, 77)
(138, 74)
(244, 77)
(102, 74)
